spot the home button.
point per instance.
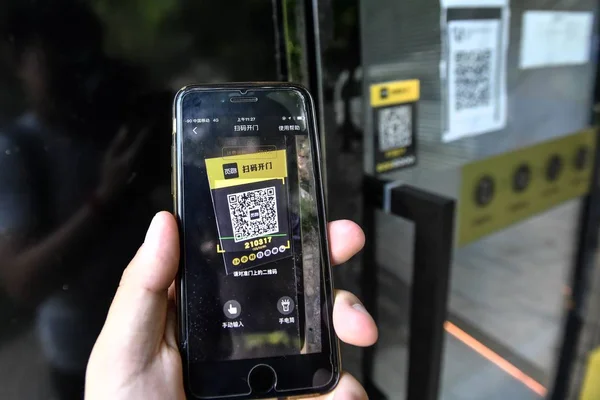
(262, 379)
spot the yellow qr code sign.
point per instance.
(397, 92)
(394, 116)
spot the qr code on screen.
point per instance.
(253, 213)
(473, 78)
(395, 127)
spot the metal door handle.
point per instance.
(433, 216)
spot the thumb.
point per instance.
(155, 265)
(137, 317)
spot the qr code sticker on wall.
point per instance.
(395, 127)
(472, 74)
(253, 213)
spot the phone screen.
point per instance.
(251, 204)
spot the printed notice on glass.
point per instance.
(474, 67)
(473, 3)
(476, 85)
(556, 38)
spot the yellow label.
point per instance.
(395, 153)
(396, 92)
(249, 168)
(386, 166)
(491, 197)
(591, 384)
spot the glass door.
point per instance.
(488, 104)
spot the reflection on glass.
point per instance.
(310, 245)
(85, 117)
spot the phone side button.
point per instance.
(173, 171)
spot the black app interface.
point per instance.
(251, 237)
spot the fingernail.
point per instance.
(153, 235)
(361, 308)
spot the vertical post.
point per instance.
(587, 244)
(369, 274)
(315, 76)
(281, 53)
(433, 217)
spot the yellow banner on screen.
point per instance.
(247, 168)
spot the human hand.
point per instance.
(117, 168)
(136, 355)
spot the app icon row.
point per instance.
(285, 305)
(259, 255)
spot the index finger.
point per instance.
(346, 239)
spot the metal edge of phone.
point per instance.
(178, 207)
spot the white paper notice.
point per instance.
(551, 38)
(476, 77)
(472, 3)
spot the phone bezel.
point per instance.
(327, 281)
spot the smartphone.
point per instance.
(254, 291)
